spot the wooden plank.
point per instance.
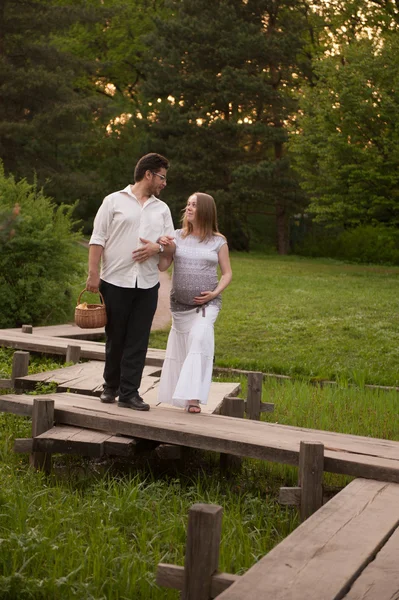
(322, 558)
(84, 378)
(380, 579)
(202, 550)
(171, 576)
(120, 446)
(55, 345)
(368, 457)
(215, 400)
(70, 440)
(69, 330)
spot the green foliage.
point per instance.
(348, 150)
(363, 244)
(40, 263)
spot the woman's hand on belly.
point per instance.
(204, 297)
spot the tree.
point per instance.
(219, 93)
(347, 151)
(49, 106)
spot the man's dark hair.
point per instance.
(150, 162)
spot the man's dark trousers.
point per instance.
(130, 312)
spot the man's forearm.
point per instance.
(95, 253)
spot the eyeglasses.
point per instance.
(163, 177)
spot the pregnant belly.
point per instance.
(185, 294)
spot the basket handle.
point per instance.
(86, 290)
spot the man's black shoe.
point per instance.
(135, 402)
(108, 396)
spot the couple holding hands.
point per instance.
(129, 282)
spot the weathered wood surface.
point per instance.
(322, 558)
(57, 345)
(348, 454)
(87, 379)
(216, 396)
(69, 330)
(380, 579)
(84, 378)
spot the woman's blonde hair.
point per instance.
(206, 217)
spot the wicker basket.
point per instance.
(91, 317)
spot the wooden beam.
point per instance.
(231, 407)
(311, 466)
(20, 365)
(42, 420)
(6, 384)
(266, 407)
(290, 496)
(202, 550)
(72, 353)
(345, 454)
(255, 380)
(168, 452)
(172, 576)
(23, 445)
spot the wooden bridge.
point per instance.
(345, 454)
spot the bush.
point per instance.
(40, 262)
(363, 244)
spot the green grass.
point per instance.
(309, 318)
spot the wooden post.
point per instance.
(20, 364)
(72, 354)
(42, 420)
(231, 407)
(202, 550)
(311, 465)
(27, 329)
(255, 380)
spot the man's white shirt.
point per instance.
(118, 226)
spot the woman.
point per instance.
(195, 304)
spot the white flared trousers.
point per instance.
(187, 370)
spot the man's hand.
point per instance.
(204, 298)
(147, 250)
(93, 282)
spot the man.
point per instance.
(125, 233)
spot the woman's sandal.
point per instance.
(193, 408)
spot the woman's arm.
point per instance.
(165, 261)
(224, 281)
